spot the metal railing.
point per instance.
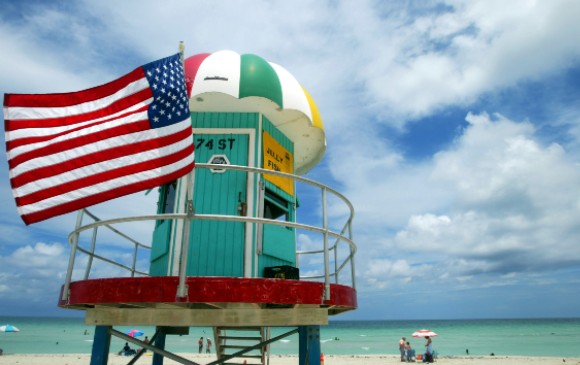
(338, 243)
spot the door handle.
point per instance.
(242, 206)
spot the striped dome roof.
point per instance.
(226, 81)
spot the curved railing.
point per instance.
(336, 244)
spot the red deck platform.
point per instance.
(242, 301)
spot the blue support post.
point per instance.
(160, 344)
(309, 345)
(101, 345)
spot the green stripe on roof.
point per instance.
(258, 78)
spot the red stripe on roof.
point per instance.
(191, 66)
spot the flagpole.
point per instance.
(181, 50)
(183, 256)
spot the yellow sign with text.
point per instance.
(278, 158)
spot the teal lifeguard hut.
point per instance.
(224, 249)
(245, 112)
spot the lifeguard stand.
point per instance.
(224, 248)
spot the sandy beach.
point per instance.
(84, 359)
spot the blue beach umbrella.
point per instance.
(8, 328)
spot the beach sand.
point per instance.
(84, 359)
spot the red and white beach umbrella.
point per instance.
(424, 333)
(226, 81)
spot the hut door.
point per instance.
(217, 248)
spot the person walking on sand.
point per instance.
(402, 348)
(208, 346)
(200, 344)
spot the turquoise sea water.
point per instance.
(526, 337)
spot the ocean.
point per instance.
(502, 337)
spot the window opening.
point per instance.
(166, 203)
(169, 197)
(275, 207)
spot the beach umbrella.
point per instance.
(134, 333)
(9, 328)
(226, 81)
(424, 333)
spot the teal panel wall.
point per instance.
(225, 120)
(217, 248)
(160, 244)
(278, 243)
(160, 248)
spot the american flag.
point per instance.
(72, 150)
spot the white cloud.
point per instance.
(515, 202)
(34, 272)
(42, 257)
(380, 273)
(421, 64)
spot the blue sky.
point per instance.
(452, 126)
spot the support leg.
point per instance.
(160, 344)
(101, 345)
(309, 345)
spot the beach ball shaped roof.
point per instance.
(226, 81)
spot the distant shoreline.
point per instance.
(505, 338)
(83, 359)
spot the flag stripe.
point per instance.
(12, 135)
(94, 160)
(111, 148)
(103, 187)
(74, 98)
(82, 115)
(12, 145)
(119, 191)
(80, 141)
(80, 173)
(112, 171)
(120, 122)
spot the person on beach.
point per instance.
(126, 350)
(146, 340)
(200, 344)
(429, 349)
(409, 352)
(402, 348)
(208, 346)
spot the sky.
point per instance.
(453, 127)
